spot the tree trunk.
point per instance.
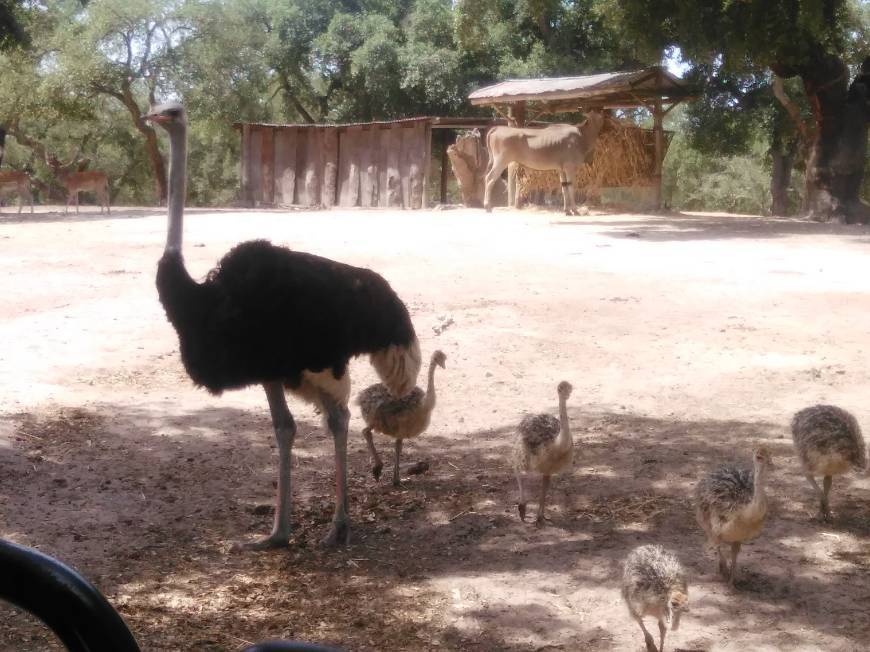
(2, 143)
(152, 149)
(783, 163)
(835, 167)
(157, 163)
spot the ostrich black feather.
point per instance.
(267, 313)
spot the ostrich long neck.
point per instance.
(759, 479)
(565, 433)
(430, 388)
(177, 182)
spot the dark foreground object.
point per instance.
(75, 610)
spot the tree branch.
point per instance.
(791, 108)
(291, 97)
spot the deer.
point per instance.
(19, 182)
(76, 181)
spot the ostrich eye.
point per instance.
(173, 113)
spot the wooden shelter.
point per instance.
(522, 100)
(368, 164)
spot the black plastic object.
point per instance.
(75, 610)
(64, 600)
(288, 646)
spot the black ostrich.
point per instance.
(286, 320)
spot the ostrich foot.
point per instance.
(825, 515)
(271, 542)
(339, 535)
(541, 520)
(376, 471)
(521, 508)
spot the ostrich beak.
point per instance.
(155, 117)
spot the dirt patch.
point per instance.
(688, 339)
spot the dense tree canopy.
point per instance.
(811, 40)
(77, 76)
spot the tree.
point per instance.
(806, 39)
(125, 51)
(735, 111)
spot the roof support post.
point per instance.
(659, 133)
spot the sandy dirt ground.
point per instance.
(689, 339)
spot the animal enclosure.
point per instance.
(624, 157)
(375, 164)
(143, 482)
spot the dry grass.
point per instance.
(624, 156)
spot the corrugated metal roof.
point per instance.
(650, 82)
(321, 125)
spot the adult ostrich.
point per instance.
(284, 319)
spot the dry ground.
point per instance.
(688, 339)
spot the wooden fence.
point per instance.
(378, 164)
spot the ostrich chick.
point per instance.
(654, 584)
(400, 418)
(731, 507)
(829, 442)
(545, 446)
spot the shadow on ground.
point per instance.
(684, 227)
(147, 502)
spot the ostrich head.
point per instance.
(169, 115)
(564, 389)
(762, 458)
(678, 602)
(439, 358)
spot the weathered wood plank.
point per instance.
(301, 195)
(426, 163)
(255, 151)
(349, 165)
(245, 171)
(409, 141)
(313, 166)
(368, 162)
(285, 165)
(392, 143)
(416, 165)
(329, 156)
(267, 162)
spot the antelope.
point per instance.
(78, 181)
(19, 182)
(559, 147)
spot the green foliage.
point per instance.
(699, 182)
(92, 67)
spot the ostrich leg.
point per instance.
(647, 637)
(542, 506)
(735, 550)
(396, 480)
(377, 464)
(825, 506)
(285, 432)
(521, 503)
(337, 417)
(662, 631)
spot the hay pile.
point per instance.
(624, 156)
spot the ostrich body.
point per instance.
(400, 418)
(731, 507)
(283, 319)
(654, 584)
(829, 442)
(545, 446)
